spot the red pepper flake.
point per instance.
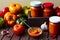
(53, 36)
(8, 35)
(4, 32)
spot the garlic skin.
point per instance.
(44, 26)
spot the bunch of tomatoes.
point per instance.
(9, 16)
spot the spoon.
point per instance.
(25, 23)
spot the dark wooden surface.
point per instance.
(25, 36)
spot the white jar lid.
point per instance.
(54, 19)
(35, 3)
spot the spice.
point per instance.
(4, 32)
(8, 35)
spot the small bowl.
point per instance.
(34, 31)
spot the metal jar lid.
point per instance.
(35, 3)
(54, 19)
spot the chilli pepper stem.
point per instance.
(25, 23)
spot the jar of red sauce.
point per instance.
(54, 25)
(47, 9)
(57, 10)
(36, 9)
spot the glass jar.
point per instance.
(54, 25)
(36, 9)
(47, 9)
(57, 10)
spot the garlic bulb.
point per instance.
(44, 26)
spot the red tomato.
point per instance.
(18, 29)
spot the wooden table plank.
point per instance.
(50, 38)
(44, 36)
(1, 36)
(15, 37)
(31, 38)
(58, 37)
(25, 36)
(8, 38)
(5, 27)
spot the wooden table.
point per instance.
(25, 36)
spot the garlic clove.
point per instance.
(44, 26)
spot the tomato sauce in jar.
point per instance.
(54, 25)
(36, 9)
(47, 9)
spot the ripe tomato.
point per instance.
(18, 29)
(10, 19)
